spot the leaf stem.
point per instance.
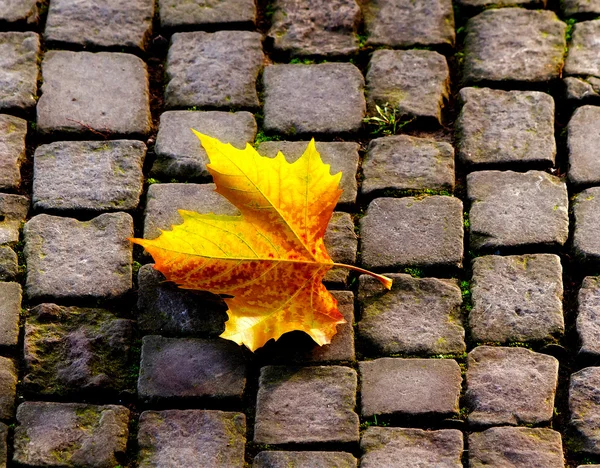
(387, 282)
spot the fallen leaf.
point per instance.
(271, 259)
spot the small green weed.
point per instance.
(262, 137)
(151, 181)
(388, 120)
(414, 272)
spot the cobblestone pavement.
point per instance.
(480, 196)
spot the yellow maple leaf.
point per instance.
(270, 259)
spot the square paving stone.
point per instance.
(62, 173)
(514, 44)
(182, 14)
(578, 89)
(304, 460)
(415, 82)
(8, 388)
(506, 127)
(511, 209)
(179, 153)
(12, 150)
(9, 267)
(510, 386)
(164, 439)
(213, 69)
(69, 350)
(580, 7)
(315, 27)
(583, 142)
(67, 258)
(205, 369)
(516, 298)
(90, 94)
(516, 446)
(13, 210)
(417, 316)
(588, 316)
(70, 434)
(104, 23)
(402, 162)
(294, 105)
(586, 209)
(395, 447)
(19, 55)
(11, 296)
(410, 387)
(406, 23)
(584, 50)
(306, 405)
(20, 12)
(412, 231)
(584, 395)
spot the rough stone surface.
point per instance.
(13, 210)
(410, 387)
(511, 209)
(506, 127)
(205, 369)
(341, 243)
(293, 104)
(19, 12)
(304, 460)
(218, 440)
(19, 55)
(582, 89)
(8, 388)
(484, 4)
(70, 350)
(588, 316)
(583, 143)
(580, 7)
(415, 82)
(516, 298)
(406, 23)
(9, 267)
(106, 23)
(213, 69)
(417, 316)
(584, 394)
(400, 232)
(514, 44)
(584, 50)
(315, 27)
(179, 14)
(67, 258)
(86, 93)
(3, 445)
(12, 150)
(516, 446)
(586, 242)
(10, 310)
(63, 172)
(179, 153)
(70, 434)
(306, 405)
(395, 447)
(510, 386)
(403, 162)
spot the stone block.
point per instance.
(282, 459)
(13, 211)
(586, 209)
(577, 89)
(8, 388)
(182, 14)
(580, 7)
(12, 150)
(10, 313)
(588, 316)
(3, 445)
(478, 5)
(583, 142)
(341, 243)
(9, 267)
(584, 50)
(18, 13)
(584, 395)
(19, 55)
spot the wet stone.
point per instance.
(506, 127)
(164, 440)
(3, 445)
(294, 105)
(13, 210)
(395, 447)
(63, 171)
(86, 94)
(411, 231)
(10, 310)
(179, 153)
(415, 82)
(516, 298)
(67, 258)
(72, 434)
(9, 267)
(583, 142)
(315, 27)
(71, 349)
(510, 386)
(406, 23)
(19, 55)
(584, 50)
(417, 316)
(304, 460)
(20, 12)
(584, 394)
(402, 162)
(516, 446)
(213, 69)
(580, 7)
(586, 242)
(8, 387)
(181, 14)
(410, 387)
(306, 405)
(582, 89)
(511, 209)
(513, 44)
(12, 150)
(205, 369)
(588, 316)
(109, 23)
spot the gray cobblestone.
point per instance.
(8, 387)
(304, 460)
(584, 50)
(341, 243)
(9, 267)
(580, 7)
(17, 12)
(3, 445)
(584, 395)
(181, 14)
(13, 210)
(11, 295)
(588, 316)
(12, 150)
(582, 89)
(586, 242)
(485, 4)
(19, 55)
(583, 139)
